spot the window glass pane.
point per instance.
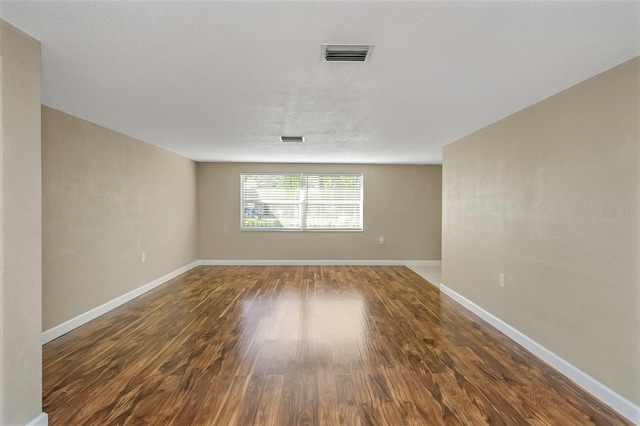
(271, 201)
(333, 202)
(337, 216)
(271, 215)
(334, 188)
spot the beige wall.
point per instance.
(20, 229)
(107, 198)
(550, 196)
(401, 203)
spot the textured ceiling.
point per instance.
(221, 81)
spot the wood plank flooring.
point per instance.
(312, 345)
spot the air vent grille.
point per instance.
(346, 52)
(292, 139)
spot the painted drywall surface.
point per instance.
(1, 243)
(401, 203)
(21, 352)
(550, 197)
(106, 199)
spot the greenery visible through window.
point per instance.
(301, 201)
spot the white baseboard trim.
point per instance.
(41, 420)
(419, 263)
(319, 262)
(619, 403)
(81, 319)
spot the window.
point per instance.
(302, 202)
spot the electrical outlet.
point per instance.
(502, 280)
(381, 240)
(143, 256)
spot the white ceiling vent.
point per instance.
(346, 52)
(292, 139)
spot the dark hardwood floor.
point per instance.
(286, 345)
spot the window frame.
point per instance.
(302, 203)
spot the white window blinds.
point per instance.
(301, 201)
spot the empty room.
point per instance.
(319, 212)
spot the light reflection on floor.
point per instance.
(305, 323)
